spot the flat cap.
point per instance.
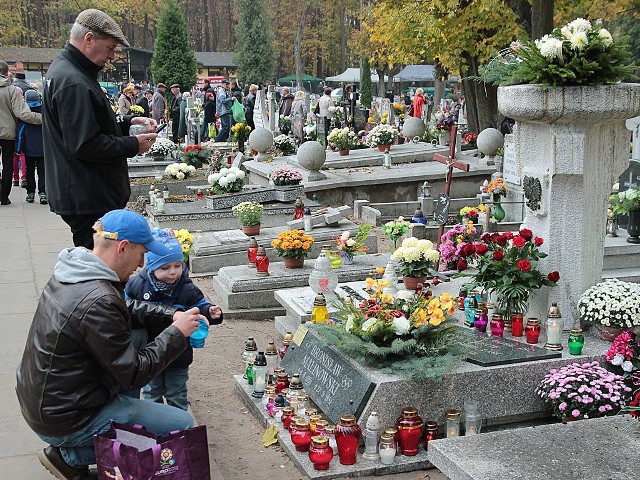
(161, 85)
(99, 22)
(137, 87)
(175, 85)
(225, 81)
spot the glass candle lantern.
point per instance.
(480, 324)
(409, 431)
(252, 251)
(554, 328)
(278, 407)
(517, 324)
(532, 330)
(320, 314)
(165, 191)
(303, 404)
(286, 341)
(262, 263)
(371, 437)
(461, 299)
(330, 433)
(312, 422)
(309, 412)
(334, 259)
(393, 431)
(576, 341)
(282, 382)
(248, 373)
(259, 375)
(152, 195)
(287, 415)
(472, 418)
(321, 426)
(320, 452)
(269, 394)
(430, 433)
(301, 435)
(470, 308)
(159, 202)
(272, 360)
(453, 422)
(295, 382)
(199, 194)
(249, 353)
(348, 434)
(323, 279)
(293, 423)
(497, 325)
(387, 449)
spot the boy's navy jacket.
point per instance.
(29, 135)
(183, 295)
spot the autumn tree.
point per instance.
(255, 52)
(173, 60)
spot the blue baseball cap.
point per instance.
(154, 261)
(129, 225)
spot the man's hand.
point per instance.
(145, 140)
(215, 312)
(149, 122)
(187, 322)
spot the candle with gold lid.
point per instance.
(387, 450)
(576, 341)
(348, 434)
(320, 452)
(409, 431)
(453, 422)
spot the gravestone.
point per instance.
(631, 176)
(441, 213)
(633, 124)
(260, 118)
(492, 351)
(336, 385)
(385, 107)
(509, 165)
(360, 118)
(273, 109)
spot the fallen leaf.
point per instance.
(270, 436)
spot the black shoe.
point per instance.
(30, 197)
(16, 183)
(43, 199)
(52, 460)
(23, 184)
(5, 201)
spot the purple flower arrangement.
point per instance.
(452, 241)
(286, 176)
(583, 391)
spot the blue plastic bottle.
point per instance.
(197, 338)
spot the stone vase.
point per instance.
(444, 138)
(633, 227)
(411, 283)
(251, 231)
(293, 262)
(560, 139)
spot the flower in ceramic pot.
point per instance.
(417, 257)
(227, 180)
(179, 171)
(612, 303)
(249, 214)
(293, 244)
(285, 176)
(342, 138)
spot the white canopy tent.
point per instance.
(352, 75)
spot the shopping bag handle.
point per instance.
(117, 446)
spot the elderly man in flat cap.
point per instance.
(174, 109)
(86, 145)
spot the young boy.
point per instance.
(165, 280)
(30, 142)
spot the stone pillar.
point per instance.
(571, 143)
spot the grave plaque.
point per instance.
(441, 214)
(360, 117)
(333, 383)
(231, 236)
(490, 351)
(510, 165)
(631, 176)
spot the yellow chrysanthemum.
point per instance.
(419, 317)
(370, 283)
(379, 270)
(386, 298)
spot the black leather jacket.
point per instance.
(79, 353)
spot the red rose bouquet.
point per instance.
(506, 263)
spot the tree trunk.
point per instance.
(298, 42)
(541, 18)
(481, 100)
(343, 39)
(205, 24)
(440, 77)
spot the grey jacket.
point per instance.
(13, 106)
(79, 353)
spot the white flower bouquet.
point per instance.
(382, 134)
(416, 257)
(179, 171)
(342, 138)
(227, 180)
(284, 144)
(612, 303)
(162, 147)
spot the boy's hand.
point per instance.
(187, 322)
(215, 312)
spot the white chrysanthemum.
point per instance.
(605, 36)
(223, 182)
(231, 177)
(192, 169)
(398, 254)
(175, 169)
(183, 166)
(224, 170)
(167, 170)
(432, 255)
(344, 236)
(566, 33)
(424, 245)
(240, 174)
(368, 324)
(411, 254)
(234, 170)
(410, 242)
(180, 176)
(211, 179)
(551, 48)
(579, 40)
(401, 325)
(580, 25)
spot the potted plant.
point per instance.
(382, 136)
(395, 229)
(179, 171)
(342, 140)
(583, 391)
(195, 155)
(284, 145)
(249, 214)
(417, 258)
(624, 354)
(285, 176)
(612, 306)
(451, 241)
(497, 189)
(161, 148)
(348, 247)
(507, 265)
(293, 246)
(627, 202)
(227, 180)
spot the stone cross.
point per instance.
(259, 115)
(273, 109)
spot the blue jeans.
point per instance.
(78, 449)
(225, 127)
(170, 384)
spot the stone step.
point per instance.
(620, 254)
(624, 274)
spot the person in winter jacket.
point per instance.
(125, 101)
(80, 355)
(86, 145)
(158, 103)
(20, 81)
(30, 142)
(224, 101)
(165, 280)
(285, 102)
(418, 103)
(12, 106)
(250, 105)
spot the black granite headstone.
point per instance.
(360, 119)
(332, 382)
(490, 351)
(631, 176)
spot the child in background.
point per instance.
(166, 280)
(30, 143)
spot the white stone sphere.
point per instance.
(311, 156)
(489, 141)
(261, 139)
(413, 127)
